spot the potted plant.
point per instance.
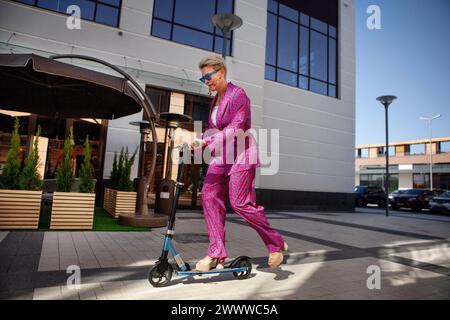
(73, 210)
(20, 191)
(120, 197)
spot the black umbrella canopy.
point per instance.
(35, 84)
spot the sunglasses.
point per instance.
(208, 76)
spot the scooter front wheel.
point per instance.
(243, 263)
(160, 278)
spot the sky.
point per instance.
(409, 57)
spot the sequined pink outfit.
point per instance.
(237, 179)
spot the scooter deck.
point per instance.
(212, 271)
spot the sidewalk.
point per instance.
(329, 257)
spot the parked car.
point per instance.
(392, 194)
(369, 194)
(415, 199)
(440, 203)
(438, 192)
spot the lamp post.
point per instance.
(430, 120)
(226, 22)
(386, 101)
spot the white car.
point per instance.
(440, 203)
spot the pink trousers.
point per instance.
(241, 189)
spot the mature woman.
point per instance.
(229, 114)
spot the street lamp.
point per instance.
(226, 22)
(431, 149)
(386, 101)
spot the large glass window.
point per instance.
(382, 151)
(377, 180)
(417, 149)
(196, 107)
(421, 181)
(440, 180)
(51, 142)
(101, 11)
(444, 147)
(301, 48)
(189, 22)
(364, 153)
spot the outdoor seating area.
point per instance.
(59, 90)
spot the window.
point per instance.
(364, 153)
(382, 151)
(54, 131)
(421, 180)
(417, 149)
(197, 107)
(181, 21)
(444, 147)
(102, 11)
(391, 151)
(378, 180)
(301, 44)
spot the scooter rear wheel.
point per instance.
(160, 278)
(243, 263)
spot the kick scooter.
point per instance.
(161, 274)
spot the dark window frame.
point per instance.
(215, 34)
(310, 29)
(96, 3)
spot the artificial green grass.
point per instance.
(103, 221)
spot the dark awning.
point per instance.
(35, 84)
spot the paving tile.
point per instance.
(49, 293)
(3, 235)
(328, 259)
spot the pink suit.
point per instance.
(234, 174)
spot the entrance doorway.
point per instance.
(195, 106)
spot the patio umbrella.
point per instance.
(35, 84)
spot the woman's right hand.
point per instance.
(198, 143)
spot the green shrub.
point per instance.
(86, 181)
(114, 175)
(11, 169)
(30, 179)
(121, 171)
(64, 174)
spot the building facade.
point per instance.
(409, 164)
(295, 59)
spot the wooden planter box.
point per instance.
(72, 210)
(118, 202)
(19, 209)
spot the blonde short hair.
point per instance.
(214, 61)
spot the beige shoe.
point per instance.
(276, 258)
(220, 264)
(207, 263)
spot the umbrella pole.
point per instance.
(141, 199)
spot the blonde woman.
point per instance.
(230, 112)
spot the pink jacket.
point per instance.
(233, 121)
